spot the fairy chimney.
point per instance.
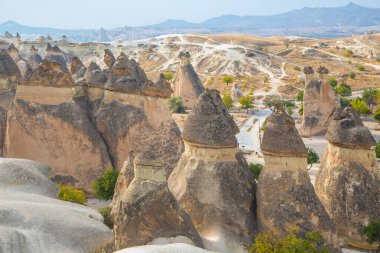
(309, 73)
(322, 71)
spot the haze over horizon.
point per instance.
(118, 13)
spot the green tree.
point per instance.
(227, 100)
(332, 81)
(227, 79)
(370, 96)
(377, 150)
(312, 157)
(176, 105)
(361, 68)
(360, 107)
(376, 115)
(343, 90)
(299, 96)
(348, 53)
(255, 169)
(104, 186)
(352, 75)
(69, 193)
(168, 76)
(246, 102)
(293, 241)
(372, 233)
(300, 110)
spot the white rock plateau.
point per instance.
(32, 220)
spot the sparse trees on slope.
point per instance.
(227, 100)
(227, 79)
(246, 102)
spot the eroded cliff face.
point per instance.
(82, 130)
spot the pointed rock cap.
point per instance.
(7, 66)
(209, 124)
(308, 70)
(185, 58)
(76, 65)
(33, 50)
(54, 49)
(18, 35)
(8, 35)
(347, 130)
(147, 158)
(322, 70)
(12, 49)
(109, 58)
(281, 137)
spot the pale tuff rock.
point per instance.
(24, 67)
(322, 71)
(167, 248)
(109, 59)
(146, 211)
(236, 91)
(18, 38)
(14, 53)
(207, 171)
(77, 68)
(55, 54)
(34, 221)
(320, 101)
(186, 81)
(348, 180)
(159, 89)
(126, 176)
(94, 76)
(285, 195)
(8, 68)
(34, 59)
(309, 73)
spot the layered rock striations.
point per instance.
(320, 101)
(207, 171)
(146, 212)
(285, 195)
(186, 81)
(33, 220)
(348, 180)
(53, 119)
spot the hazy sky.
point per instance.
(117, 13)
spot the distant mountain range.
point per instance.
(314, 22)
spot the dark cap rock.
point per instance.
(308, 70)
(7, 66)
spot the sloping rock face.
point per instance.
(168, 248)
(146, 212)
(320, 101)
(77, 68)
(285, 195)
(207, 171)
(109, 59)
(55, 54)
(348, 180)
(236, 91)
(34, 221)
(186, 82)
(53, 119)
(94, 76)
(34, 59)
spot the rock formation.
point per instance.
(23, 65)
(146, 212)
(168, 248)
(207, 171)
(7, 35)
(309, 73)
(186, 82)
(13, 52)
(53, 119)
(94, 76)
(236, 93)
(18, 39)
(109, 59)
(77, 68)
(322, 71)
(285, 195)
(320, 101)
(55, 54)
(348, 180)
(32, 220)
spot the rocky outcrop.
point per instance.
(320, 101)
(32, 220)
(167, 248)
(94, 76)
(34, 59)
(14, 53)
(23, 65)
(186, 82)
(109, 59)
(207, 170)
(55, 54)
(347, 182)
(236, 91)
(146, 212)
(309, 73)
(8, 35)
(9, 72)
(77, 69)
(285, 195)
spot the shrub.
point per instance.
(246, 102)
(343, 90)
(348, 53)
(300, 110)
(106, 213)
(372, 233)
(299, 96)
(361, 68)
(227, 79)
(344, 102)
(255, 169)
(69, 193)
(168, 76)
(312, 157)
(332, 81)
(176, 105)
(352, 75)
(293, 241)
(376, 115)
(104, 186)
(377, 150)
(227, 100)
(296, 68)
(370, 96)
(360, 107)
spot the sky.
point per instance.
(118, 13)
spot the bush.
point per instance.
(300, 110)
(246, 102)
(289, 242)
(104, 186)
(361, 68)
(352, 75)
(312, 157)
(69, 193)
(376, 115)
(255, 169)
(227, 79)
(227, 100)
(299, 96)
(332, 81)
(377, 150)
(176, 105)
(296, 68)
(370, 96)
(168, 76)
(344, 102)
(360, 107)
(348, 53)
(343, 90)
(372, 233)
(106, 213)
